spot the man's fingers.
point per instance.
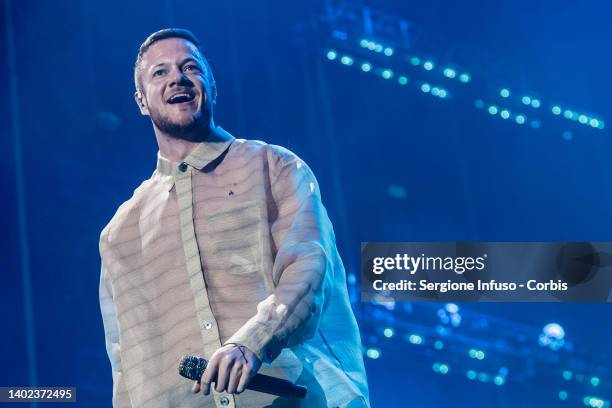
(210, 374)
(234, 379)
(244, 378)
(196, 387)
(225, 365)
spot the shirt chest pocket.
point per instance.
(235, 235)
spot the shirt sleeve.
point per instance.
(113, 348)
(302, 273)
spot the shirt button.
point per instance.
(207, 325)
(182, 167)
(224, 401)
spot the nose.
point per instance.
(178, 77)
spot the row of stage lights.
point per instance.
(499, 378)
(426, 64)
(463, 77)
(386, 73)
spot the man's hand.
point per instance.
(231, 368)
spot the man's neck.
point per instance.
(175, 149)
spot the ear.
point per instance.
(213, 89)
(140, 101)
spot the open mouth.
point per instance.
(181, 97)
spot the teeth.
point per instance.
(185, 95)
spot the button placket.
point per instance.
(210, 334)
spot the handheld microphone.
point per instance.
(193, 367)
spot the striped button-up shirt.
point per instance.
(231, 246)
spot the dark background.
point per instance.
(393, 163)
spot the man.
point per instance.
(227, 253)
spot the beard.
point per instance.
(191, 130)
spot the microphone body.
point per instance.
(193, 367)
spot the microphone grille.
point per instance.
(192, 367)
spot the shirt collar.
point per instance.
(201, 155)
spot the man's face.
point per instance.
(176, 88)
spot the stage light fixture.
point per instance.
(465, 78)
(449, 73)
(346, 60)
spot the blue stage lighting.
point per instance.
(601, 124)
(371, 45)
(536, 124)
(594, 381)
(449, 73)
(484, 377)
(505, 114)
(594, 122)
(415, 61)
(373, 353)
(568, 114)
(567, 375)
(526, 100)
(479, 103)
(444, 369)
(363, 43)
(471, 374)
(388, 51)
(388, 332)
(554, 330)
(498, 380)
(535, 103)
(378, 48)
(562, 395)
(465, 78)
(442, 93)
(556, 110)
(346, 60)
(402, 80)
(425, 88)
(583, 119)
(504, 93)
(567, 135)
(493, 109)
(439, 345)
(332, 55)
(366, 67)
(452, 308)
(415, 339)
(428, 65)
(435, 91)
(520, 119)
